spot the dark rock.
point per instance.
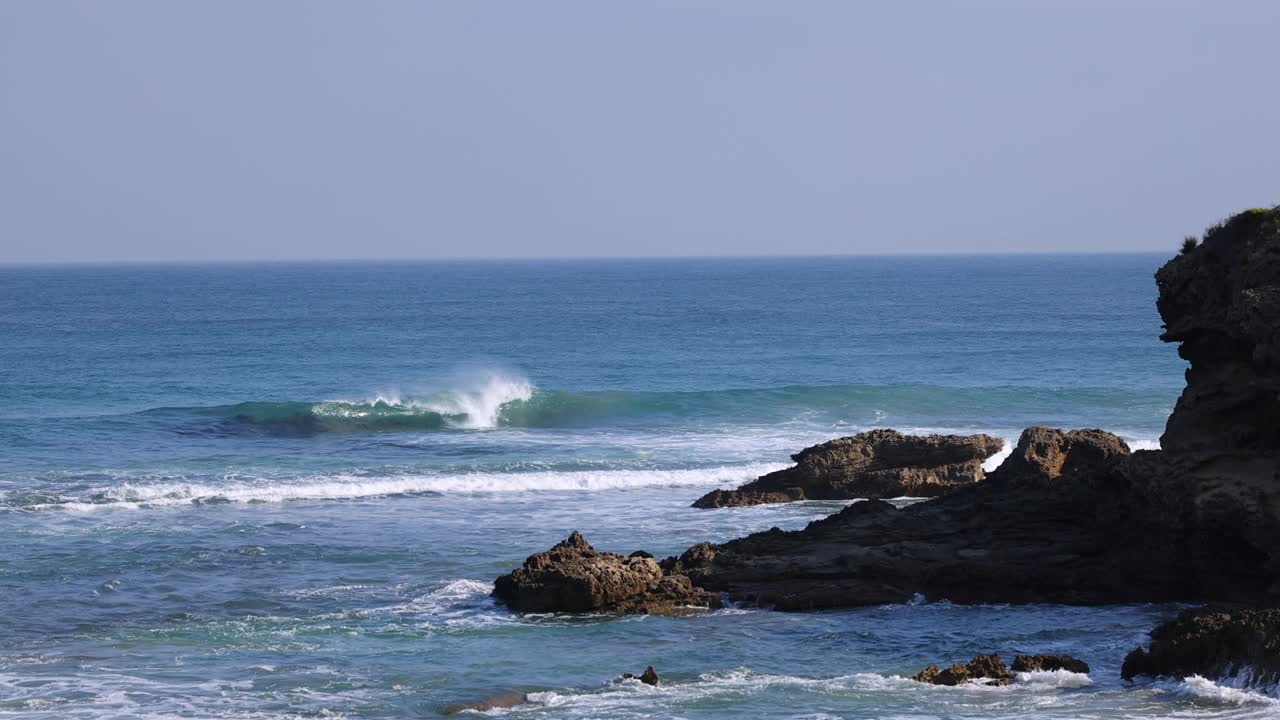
(1071, 517)
(1221, 302)
(648, 677)
(575, 577)
(1214, 644)
(981, 667)
(1046, 453)
(874, 464)
(1049, 663)
(640, 554)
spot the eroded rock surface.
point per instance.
(575, 577)
(982, 667)
(873, 464)
(1044, 453)
(1215, 644)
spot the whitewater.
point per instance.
(284, 491)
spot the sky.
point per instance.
(236, 130)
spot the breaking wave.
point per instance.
(353, 487)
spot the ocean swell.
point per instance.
(513, 402)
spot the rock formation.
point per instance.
(1049, 663)
(648, 677)
(1213, 644)
(982, 667)
(1046, 453)
(1071, 517)
(575, 577)
(874, 464)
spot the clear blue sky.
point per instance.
(242, 130)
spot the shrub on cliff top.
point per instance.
(1241, 223)
(1189, 243)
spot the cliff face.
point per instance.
(1221, 301)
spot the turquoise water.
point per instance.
(284, 490)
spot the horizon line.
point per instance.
(554, 258)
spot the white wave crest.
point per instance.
(353, 487)
(1229, 692)
(1053, 679)
(475, 404)
(482, 404)
(994, 461)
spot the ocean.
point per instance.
(278, 491)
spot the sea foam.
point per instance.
(351, 487)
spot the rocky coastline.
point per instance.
(1070, 517)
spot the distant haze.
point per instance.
(317, 130)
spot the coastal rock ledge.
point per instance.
(874, 464)
(575, 577)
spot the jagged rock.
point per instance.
(648, 677)
(1214, 644)
(874, 464)
(1049, 663)
(1044, 453)
(1221, 301)
(575, 577)
(1196, 521)
(981, 667)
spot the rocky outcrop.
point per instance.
(1046, 453)
(1071, 517)
(1221, 303)
(1243, 645)
(648, 677)
(982, 667)
(1049, 663)
(575, 577)
(874, 464)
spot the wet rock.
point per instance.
(982, 667)
(1242, 644)
(874, 464)
(648, 677)
(1049, 663)
(575, 577)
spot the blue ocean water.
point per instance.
(259, 491)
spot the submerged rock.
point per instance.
(1049, 663)
(1239, 644)
(648, 677)
(504, 700)
(575, 577)
(981, 667)
(874, 464)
